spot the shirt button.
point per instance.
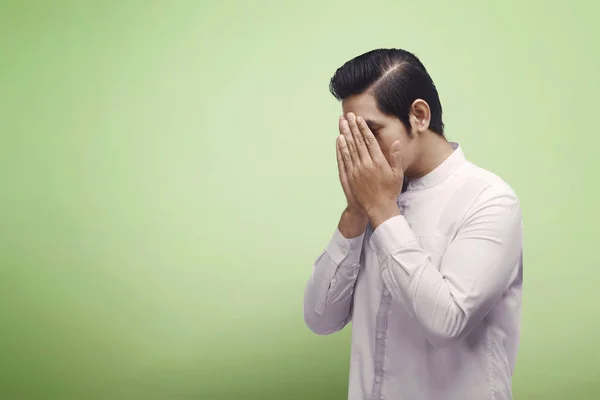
(333, 281)
(379, 335)
(386, 293)
(378, 379)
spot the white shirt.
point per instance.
(434, 294)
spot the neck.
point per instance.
(435, 150)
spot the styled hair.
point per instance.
(396, 78)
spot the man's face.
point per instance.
(386, 129)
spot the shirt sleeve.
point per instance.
(329, 291)
(450, 299)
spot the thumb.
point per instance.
(395, 157)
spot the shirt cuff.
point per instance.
(391, 235)
(342, 249)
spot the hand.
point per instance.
(353, 206)
(374, 183)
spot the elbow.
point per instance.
(441, 339)
(448, 333)
(318, 324)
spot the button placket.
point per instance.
(380, 339)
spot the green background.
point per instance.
(168, 176)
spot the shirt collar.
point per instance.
(441, 172)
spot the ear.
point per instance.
(420, 115)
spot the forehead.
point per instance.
(362, 104)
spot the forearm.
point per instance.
(411, 278)
(328, 296)
(329, 292)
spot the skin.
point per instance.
(375, 152)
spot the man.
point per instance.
(426, 260)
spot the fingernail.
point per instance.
(350, 117)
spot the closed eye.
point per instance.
(373, 126)
(374, 129)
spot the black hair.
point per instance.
(396, 79)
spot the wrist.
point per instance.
(381, 213)
(356, 212)
(353, 223)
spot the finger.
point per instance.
(340, 161)
(346, 157)
(370, 142)
(396, 157)
(361, 149)
(345, 130)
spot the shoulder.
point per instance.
(490, 185)
(494, 200)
